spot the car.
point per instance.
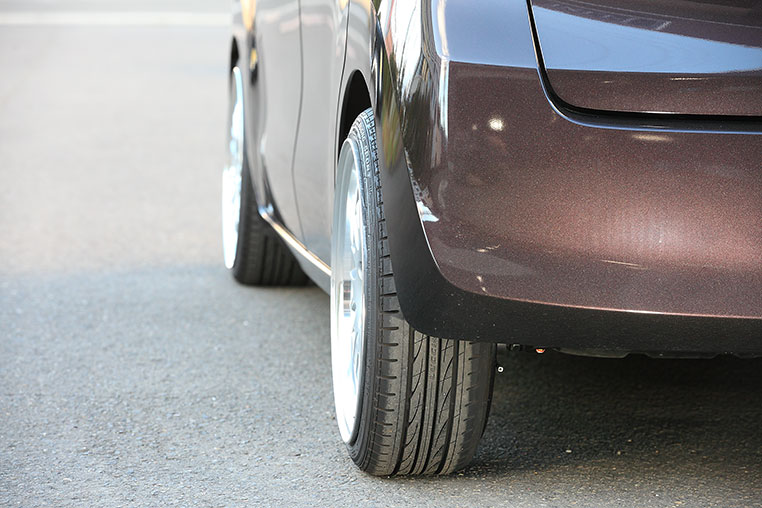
(578, 176)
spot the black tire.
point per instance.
(261, 257)
(425, 400)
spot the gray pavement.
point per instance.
(135, 372)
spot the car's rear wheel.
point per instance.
(406, 403)
(253, 251)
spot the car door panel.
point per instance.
(274, 61)
(323, 25)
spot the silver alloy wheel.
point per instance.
(348, 259)
(232, 173)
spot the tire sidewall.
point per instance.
(367, 161)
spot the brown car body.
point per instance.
(535, 194)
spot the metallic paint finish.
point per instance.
(701, 58)
(323, 29)
(272, 104)
(254, 23)
(557, 225)
(511, 221)
(649, 221)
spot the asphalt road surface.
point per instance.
(135, 372)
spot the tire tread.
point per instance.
(430, 406)
(262, 259)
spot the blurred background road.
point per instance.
(135, 372)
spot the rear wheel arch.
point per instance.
(370, 70)
(355, 100)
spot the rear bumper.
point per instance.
(466, 266)
(541, 209)
(435, 284)
(510, 222)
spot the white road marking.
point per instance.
(146, 18)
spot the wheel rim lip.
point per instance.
(348, 311)
(232, 173)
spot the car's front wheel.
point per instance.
(252, 250)
(406, 403)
